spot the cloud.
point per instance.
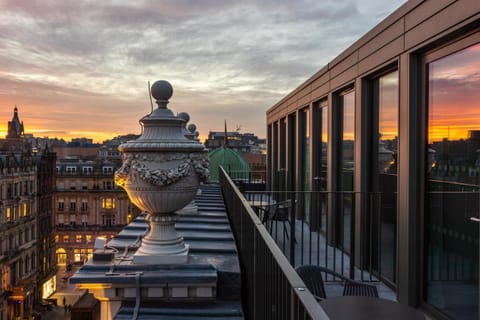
(92, 59)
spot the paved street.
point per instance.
(64, 290)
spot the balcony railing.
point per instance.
(271, 288)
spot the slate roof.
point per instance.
(212, 257)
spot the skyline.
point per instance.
(226, 60)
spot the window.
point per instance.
(107, 170)
(73, 220)
(8, 214)
(25, 209)
(73, 185)
(71, 169)
(452, 181)
(108, 203)
(66, 238)
(304, 161)
(61, 185)
(78, 238)
(87, 170)
(108, 185)
(84, 185)
(384, 119)
(88, 238)
(84, 219)
(60, 205)
(84, 205)
(320, 162)
(61, 220)
(73, 205)
(344, 166)
(108, 220)
(57, 238)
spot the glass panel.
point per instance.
(320, 145)
(292, 152)
(347, 165)
(452, 195)
(385, 177)
(305, 156)
(282, 156)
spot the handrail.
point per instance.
(271, 287)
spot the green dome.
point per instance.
(233, 163)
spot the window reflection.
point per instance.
(384, 180)
(345, 199)
(453, 170)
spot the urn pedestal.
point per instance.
(161, 173)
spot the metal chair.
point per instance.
(278, 211)
(312, 276)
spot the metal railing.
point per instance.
(271, 288)
(320, 229)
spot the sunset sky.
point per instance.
(80, 68)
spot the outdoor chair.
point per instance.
(312, 276)
(278, 211)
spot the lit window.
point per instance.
(66, 238)
(57, 238)
(24, 209)
(78, 238)
(88, 238)
(108, 203)
(8, 214)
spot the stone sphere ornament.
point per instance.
(161, 173)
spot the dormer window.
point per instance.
(107, 170)
(71, 169)
(87, 170)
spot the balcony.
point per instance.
(271, 249)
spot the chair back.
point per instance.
(312, 277)
(281, 211)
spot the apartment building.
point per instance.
(87, 204)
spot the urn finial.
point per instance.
(162, 90)
(161, 172)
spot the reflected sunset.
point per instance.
(454, 98)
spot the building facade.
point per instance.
(395, 117)
(87, 204)
(26, 241)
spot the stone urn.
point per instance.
(161, 173)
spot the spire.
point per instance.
(15, 127)
(225, 137)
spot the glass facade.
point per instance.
(453, 183)
(402, 187)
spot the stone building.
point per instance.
(87, 204)
(26, 242)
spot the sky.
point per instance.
(81, 68)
